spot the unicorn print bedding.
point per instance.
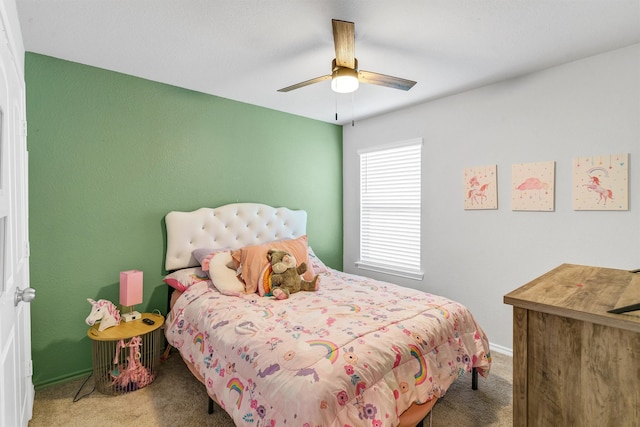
(357, 352)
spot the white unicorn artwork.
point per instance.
(105, 312)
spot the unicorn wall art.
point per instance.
(480, 187)
(603, 193)
(601, 182)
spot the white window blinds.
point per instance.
(390, 209)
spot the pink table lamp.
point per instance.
(130, 293)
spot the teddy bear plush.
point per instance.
(286, 274)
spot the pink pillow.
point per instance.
(252, 260)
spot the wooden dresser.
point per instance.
(574, 364)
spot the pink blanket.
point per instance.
(358, 352)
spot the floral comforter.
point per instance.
(357, 352)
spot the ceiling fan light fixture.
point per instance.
(345, 77)
(344, 80)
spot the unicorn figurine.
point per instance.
(105, 312)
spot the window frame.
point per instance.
(413, 210)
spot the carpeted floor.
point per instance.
(175, 398)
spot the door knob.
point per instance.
(25, 295)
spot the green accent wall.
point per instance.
(110, 155)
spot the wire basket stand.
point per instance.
(122, 365)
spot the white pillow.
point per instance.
(224, 279)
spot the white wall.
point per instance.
(584, 108)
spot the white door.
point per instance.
(16, 386)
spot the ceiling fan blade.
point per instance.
(384, 80)
(344, 42)
(305, 83)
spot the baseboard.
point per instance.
(63, 379)
(502, 350)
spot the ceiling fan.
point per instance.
(345, 76)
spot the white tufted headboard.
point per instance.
(229, 226)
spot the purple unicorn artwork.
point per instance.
(601, 182)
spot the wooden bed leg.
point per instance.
(474, 379)
(210, 410)
(416, 415)
(166, 353)
(430, 415)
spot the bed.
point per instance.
(356, 352)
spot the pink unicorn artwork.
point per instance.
(604, 193)
(477, 192)
(103, 311)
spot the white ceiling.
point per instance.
(246, 50)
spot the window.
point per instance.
(390, 209)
